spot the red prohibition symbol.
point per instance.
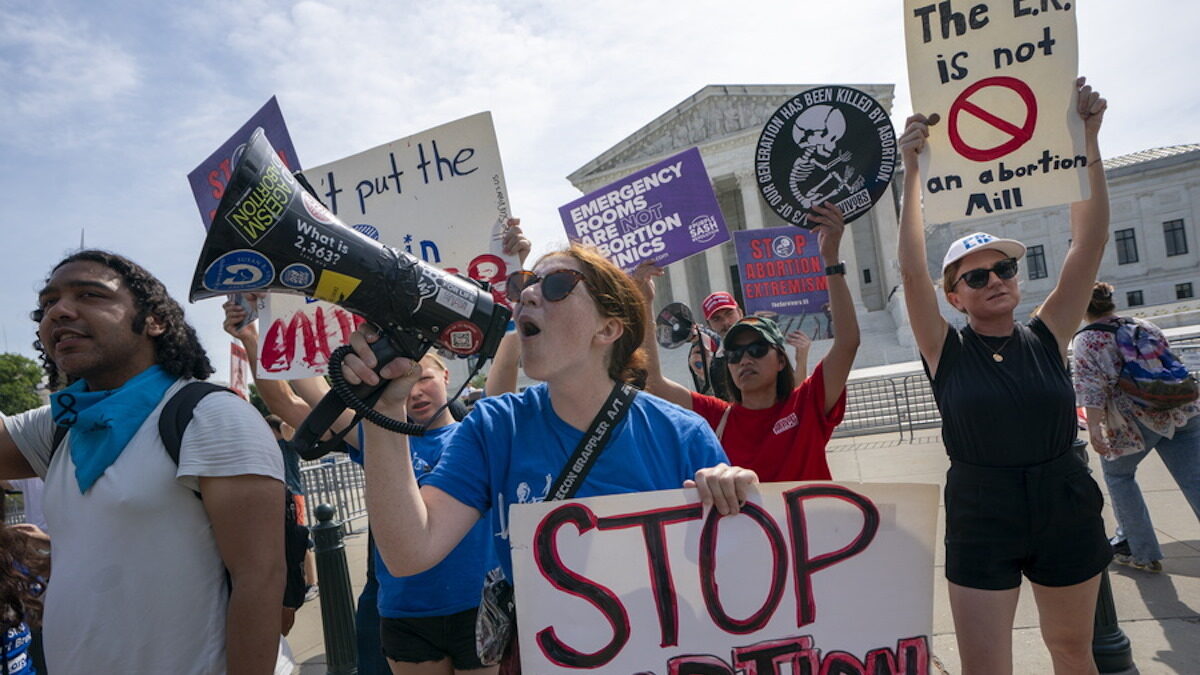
(1018, 136)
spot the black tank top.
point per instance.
(1016, 412)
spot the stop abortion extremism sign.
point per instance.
(1001, 77)
(781, 271)
(808, 578)
(663, 213)
(826, 145)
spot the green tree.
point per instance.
(19, 378)
(257, 402)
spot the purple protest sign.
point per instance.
(782, 274)
(208, 180)
(663, 213)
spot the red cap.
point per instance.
(716, 301)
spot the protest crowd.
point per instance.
(161, 550)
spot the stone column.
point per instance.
(679, 285)
(751, 202)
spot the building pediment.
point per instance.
(714, 114)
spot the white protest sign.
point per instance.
(1001, 77)
(825, 577)
(239, 370)
(439, 195)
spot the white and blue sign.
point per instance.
(297, 275)
(241, 270)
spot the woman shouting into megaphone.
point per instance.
(580, 320)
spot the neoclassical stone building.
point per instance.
(1153, 257)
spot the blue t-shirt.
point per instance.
(16, 659)
(454, 584)
(512, 447)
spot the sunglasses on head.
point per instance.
(756, 350)
(978, 278)
(555, 285)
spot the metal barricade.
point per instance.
(14, 510)
(921, 411)
(872, 407)
(338, 482)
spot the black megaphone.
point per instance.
(270, 234)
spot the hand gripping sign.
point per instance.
(808, 578)
(826, 145)
(1000, 74)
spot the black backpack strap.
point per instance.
(60, 433)
(177, 414)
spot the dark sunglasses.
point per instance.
(978, 278)
(756, 350)
(555, 285)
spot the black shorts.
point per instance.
(1042, 521)
(432, 638)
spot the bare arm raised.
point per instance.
(656, 382)
(1064, 307)
(502, 378)
(920, 296)
(839, 360)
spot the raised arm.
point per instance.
(801, 343)
(920, 296)
(837, 363)
(1064, 307)
(502, 378)
(656, 383)
(414, 528)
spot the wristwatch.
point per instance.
(839, 268)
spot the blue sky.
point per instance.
(107, 106)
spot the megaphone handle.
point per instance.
(307, 438)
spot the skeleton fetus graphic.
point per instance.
(827, 145)
(817, 132)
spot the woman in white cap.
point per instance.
(1018, 502)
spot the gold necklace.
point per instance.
(996, 355)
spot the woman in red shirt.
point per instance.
(773, 427)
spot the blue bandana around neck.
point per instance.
(102, 422)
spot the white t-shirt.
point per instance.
(138, 585)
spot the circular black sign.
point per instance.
(828, 144)
(674, 325)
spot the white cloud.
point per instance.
(58, 69)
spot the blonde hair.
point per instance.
(433, 359)
(949, 279)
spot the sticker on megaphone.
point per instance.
(240, 270)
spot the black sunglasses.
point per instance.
(756, 350)
(555, 285)
(978, 278)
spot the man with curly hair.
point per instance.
(147, 578)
